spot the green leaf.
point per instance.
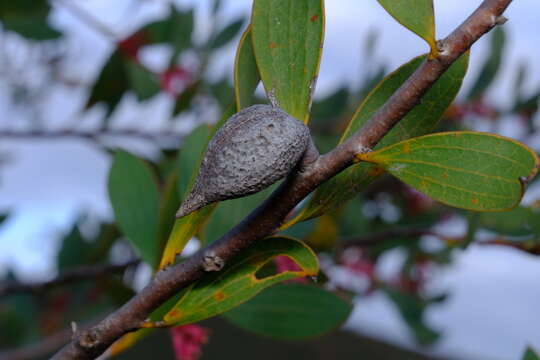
(492, 64)
(27, 18)
(287, 39)
(169, 203)
(238, 282)
(180, 31)
(519, 222)
(530, 354)
(227, 34)
(469, 170)
(420, 120)
(188, 226)
(175, 30)
(143, 82)
(135, 201)
(74, 250)
(412, 310)
(291, 311)
(332, 106)
(246, 74)
(231, 212)
(190, 155)
(415, 15)
(183, 230)
(111, 83)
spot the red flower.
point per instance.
(188, 340)
(131, 45)
(175, 80)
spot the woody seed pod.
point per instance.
(255, 148)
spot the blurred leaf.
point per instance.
(415, 15)
(420, 120)
(111, 84)
(176, 30)
(412, 310)
(143, 82)
(3, 217)
(238, 282)
(135, 201)
(27, 18)
(331, 106)
(15, 327)
(291, 311)
(183, 101)
(491, 65)
(227, 34)
(181, 29)
(17, 312)
(216, 5)
(188, 226)
(323, 235)
(517, 222)
(222, 91)
(231, 212)
(246, 74)
(470, 170)
(530, 355)
(521, 75)
(189, 157)
(287, 40)
(170, 201)
(74, 250)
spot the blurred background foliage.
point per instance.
(387, 216)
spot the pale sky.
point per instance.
(492, 313)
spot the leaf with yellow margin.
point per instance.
(188, 226)
(246, 74)
(331, 195)
(465, 169)
(238, 282)
(416, 15)
(287, 40)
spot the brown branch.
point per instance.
(80, 273)
(267, 217)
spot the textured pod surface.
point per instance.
(255, 148)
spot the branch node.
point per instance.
(360, 149)
(212, 262)
(442, 48)
(149, 324)
(74, 329)
(498, 20)
(89, 339)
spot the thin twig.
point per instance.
(88, 19)
(156, 136)
(42, 347)
(80, 273)
(267, 217)
(377, 238)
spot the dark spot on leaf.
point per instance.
(219, 296)
(314, 18)
(272, 45)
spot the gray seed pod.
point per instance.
(255, 148)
